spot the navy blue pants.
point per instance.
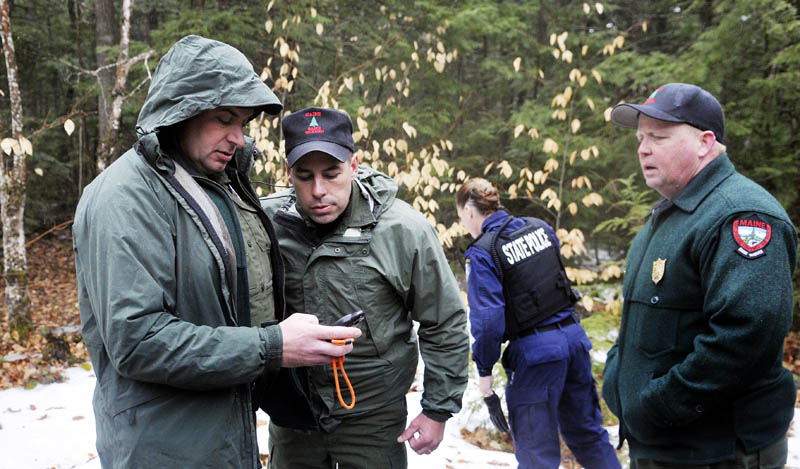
(551, 389)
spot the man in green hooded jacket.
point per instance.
(349, 244)
(175, 260)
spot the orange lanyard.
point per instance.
(340, 360)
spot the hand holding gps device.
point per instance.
(351, 319)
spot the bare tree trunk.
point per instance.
(110, 141)
(104, 30)
(75, 13)
(12, 198)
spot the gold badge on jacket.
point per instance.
(658, 270)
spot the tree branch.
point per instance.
(128, 62)
(55, 228)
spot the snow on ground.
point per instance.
(52, 426)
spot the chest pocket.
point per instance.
(351, 273)
(655, 328)
(386, 315)
(666, 298)
(259, 267)
(663, 320)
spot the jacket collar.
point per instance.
(243, 158)
(160, 157)
(362, 207)
(704, 183)
(494, 221)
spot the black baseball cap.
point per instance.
(676, 102)
(317, 129)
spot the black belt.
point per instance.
(567, 321)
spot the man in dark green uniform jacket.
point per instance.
(163, 239)
(349, 244)
(695, 376)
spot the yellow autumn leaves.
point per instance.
(423, 172)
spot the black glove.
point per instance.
(496, 413)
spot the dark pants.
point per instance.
(364, 442)
(552, 389)
(772, 457)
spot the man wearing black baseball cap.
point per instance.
(696, 375)
(676, 102)
(349, 244)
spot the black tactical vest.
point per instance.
(535, 285)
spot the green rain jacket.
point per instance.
(698, 362)
(384, 258)
(158, 312)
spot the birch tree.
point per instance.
(12, 196)
(109, 136)
(110, 115)
(104, 40)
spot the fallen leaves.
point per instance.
(791, 352)
(52, 286)
(483, 438)
(493, 440)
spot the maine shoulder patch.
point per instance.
(752, 234)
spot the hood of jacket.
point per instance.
(198, 74)
(378, 187)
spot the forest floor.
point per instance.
(54, 303)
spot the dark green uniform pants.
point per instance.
(364, 442)
(772, 457)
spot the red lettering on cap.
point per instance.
(313, 114)
(314, 130)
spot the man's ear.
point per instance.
(354, 164)
(289, 172)
(707, 141)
